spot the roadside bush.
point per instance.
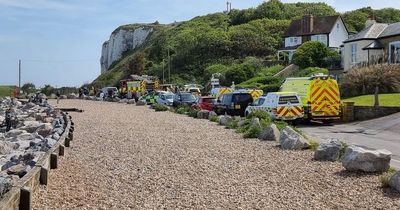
(281, 124)
(233, 124)
(160, 108)
(313, 144)
(193, 113)
(252, 132)
(260, 114)
(342, 149)
(244, 127)
(385, 177)
(270, 88)
(311, 53)
(183, 109)
(214, 119)
(364, 80)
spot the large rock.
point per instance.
(394, 181)
(211, 115)
(32, 126)
(360, 159)
(19, 170)
(140, 103)
(46, 130)
(123, 101)
(224, 120)
(131, 101)
(328, 151)
(72, 96)
(63, 97)
(291, 140)
(203, 114)
(14, 133)
(28, 106)
(5, 185)
(270, 133)
(7, 147)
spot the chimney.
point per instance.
(307, 23)
(370, 21)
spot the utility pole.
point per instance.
(169, 67)
(163, 70)
(19, 76)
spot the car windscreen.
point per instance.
(209, 100)
(227, 99)
(241, 98)
(187, 97)
(286, 99)
(169, 96)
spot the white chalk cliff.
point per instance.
(121, 41)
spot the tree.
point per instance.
(137, 64)
(311, 54)
(47, 90)
(28, 87)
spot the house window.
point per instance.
(354, 53)
(296, 40)
(394, 52)
(320, 37)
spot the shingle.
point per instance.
(391, 30)
(371, 32)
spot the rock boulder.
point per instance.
(291, 140)
(270, 133)
(203, 114)
(328, 151)
(224, 120)
(360, 159)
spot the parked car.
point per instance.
(281, 105)
(233, 103)
(182, 98)
(166, 98)
(110, 91)
(205, 102)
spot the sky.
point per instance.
(59, 41)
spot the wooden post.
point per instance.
(71, 136)
(67, 140)
(25, 199)
(61, 150)
(44, 176)
(53, 161)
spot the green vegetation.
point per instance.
(281, 124)
(183, 109)
(365, 80)
(313, 144)
(307, 72)
(313, 53)
(214, 119)
(160, 107)
(241, 45)
(233, 124)
(252, 132)
(6, 90)
(390, 99)
(193, 112)
(342, 149)
(386, 177)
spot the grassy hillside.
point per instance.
(384, 100)
(6, 90)
(239, 45)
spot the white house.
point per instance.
(329, 30)
(377, 43)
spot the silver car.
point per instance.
(165, 98)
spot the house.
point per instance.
(329, 30)
(377, 43)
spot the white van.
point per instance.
(280, 105)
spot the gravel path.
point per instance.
(128, 157)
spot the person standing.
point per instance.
(58, 95)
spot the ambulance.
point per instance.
(320, 96)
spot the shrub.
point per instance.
(233, 124)
(386, 177)
(364, 80)
(160, 108)
(193, 113)
(183, 109)
(214, 119)
(311, 53)
(342, 149)
(281, 124)
(252, 132)
(313, 144)
(270, 88)
(260, 114)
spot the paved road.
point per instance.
(381, 133)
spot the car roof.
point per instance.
(284, 93)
